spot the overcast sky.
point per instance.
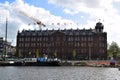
(68, 13)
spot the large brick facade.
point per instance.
(66, 44)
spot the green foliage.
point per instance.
(113, 50)
(2, 53)
(19, 54)
(55, 53)
(74, 54)
(37, 53)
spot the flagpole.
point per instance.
(5, 44)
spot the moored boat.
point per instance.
(10, 63)
(31, 62)
(48, 62)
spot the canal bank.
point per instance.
(91, 63)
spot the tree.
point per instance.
(2, 55)
(55, 53)
(113, 50)
(37, 54)
(19, 54)
(74, 54)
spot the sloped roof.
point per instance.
(50, 32)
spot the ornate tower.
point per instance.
(99, 27)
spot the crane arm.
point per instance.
(39, 23)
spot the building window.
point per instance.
(76, 44)
(69, 39)
(34, 44)
(51, 38)
(25, 45)
(64, 39)
(85, 39)
(19, 45)
(90, 33)
(76, 39)
(25, 39)
(19, 39)
(38, 39)
(46, 38)
(22, 45)
(22, 39)
(34, 34)
(34, 39)
(70, 33)
(83, 33)
(77, 33)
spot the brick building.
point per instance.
(80, 43)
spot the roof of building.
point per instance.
(50, 32)
(84, 31)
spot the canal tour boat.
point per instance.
(31, 62)
(40, 62)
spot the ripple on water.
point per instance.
(58, 73)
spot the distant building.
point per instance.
(1, 46)
(9, 48)
(82, 44)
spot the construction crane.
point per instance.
(38, 22)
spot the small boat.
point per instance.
(112, 62)
(10, 63)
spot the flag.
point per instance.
(58, 23)
(29, 24)
(64, 23)
(52, 23)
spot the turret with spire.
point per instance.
(99, 27)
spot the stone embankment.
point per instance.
(101, 63)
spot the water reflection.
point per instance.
(58, 73)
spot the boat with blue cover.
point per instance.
(42, 61)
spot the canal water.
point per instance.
(58, 73)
